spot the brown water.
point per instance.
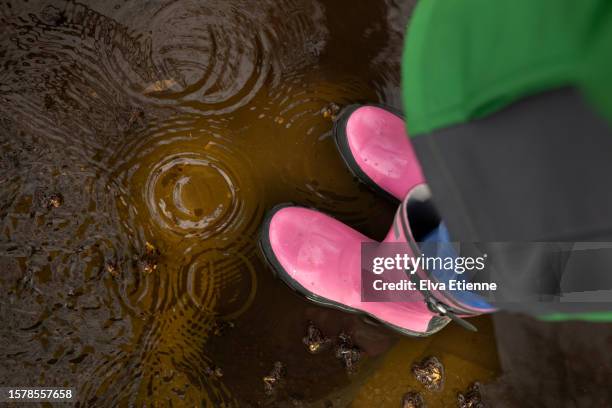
(141, 143)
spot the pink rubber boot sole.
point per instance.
(320, 257)
(374, 144)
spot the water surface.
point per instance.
(141, 143)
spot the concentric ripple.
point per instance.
(191, 184)
(214, 62)
(223, 282)
(189, 191)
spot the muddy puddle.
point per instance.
(141, 143)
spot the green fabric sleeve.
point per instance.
(596, 77)
(465, 59)
(596, 317)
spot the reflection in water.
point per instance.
(192, 185)
(173, 125)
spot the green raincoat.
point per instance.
(508, 104)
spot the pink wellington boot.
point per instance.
(374, 144)
(320, 258)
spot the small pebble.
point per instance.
(330, 111)
(111, 269)
(272, 380)
(413, 399)
(430, 373)
(471, 398)
(54, 200)
(315, 341)
(347, 353)
(160, 86)
(212, 371)
(148, 261)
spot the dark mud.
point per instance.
(140, 146)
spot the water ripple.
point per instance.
(167, 128)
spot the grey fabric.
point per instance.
(540, 170)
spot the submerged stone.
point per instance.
(413, 399)
(347, 352)
(272, 380)
(471, 398)
(430, 373)
(315, 341)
